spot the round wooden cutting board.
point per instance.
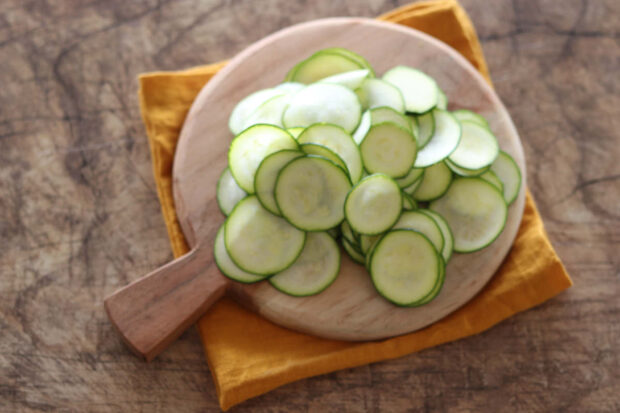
(152, 311)
(350, 309)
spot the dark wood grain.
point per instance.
(79, 215)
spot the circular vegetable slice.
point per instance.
(267, 174)
(389, 149)
(321, 65)
(322, 150)
(362, 128)
(465, 172)
(315, 269)
(448, 245)
(251, 146)
(419, 90)
(228, 192)
(374, 93)
(426, 127)
(360, 60)
(477, 149)
(491, 178)
(258, 241)
(418, 221)
(435, 182)
(508, 172)
(340, 142)
(227, 266)
(323, 102)
(310, 193)
(413, 175)
(404, 267)
(464, 115)
(373, 205)
(475, 211)
(387, 114)
(247, 106)
(445, 139)
(352, 79)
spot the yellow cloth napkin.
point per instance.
(247, 354)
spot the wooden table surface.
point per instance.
(79, 214)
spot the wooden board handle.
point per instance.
(153, 311)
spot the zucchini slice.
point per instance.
(413, 175)
(310, 192)
(475, 211)
(352, 252)
(323, 102)
(464, 115)
(228, 192)
(389, 149)
(426, 127)
(445, 139)
(360, 60)
(258, 241)
(352, 79)
(247, 106)
(315, 269)
(404, 267)
(465, 172)
(362, 128)
(437, 288)
(340, 142)
(269, 112)
(448, 238)
(373, 205)
(250, 147)
(509, 173)
(387, 114)
(374, 93)
(419, 90)
(322, 150)
(295, 132)
(477, 148)
(435, 182)
(267, 174)
(227, 266)
(421, 222)
(321, 65)
(491, 178)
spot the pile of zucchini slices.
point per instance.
(336, 155)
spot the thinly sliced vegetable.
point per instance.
(250, 147)
(295, 132)
(322, 150)
(413, 175)
(446, 137)
(404, 267)
(465, 172)
(227, 266)
(491, 178)
(310, 193)
(475, 211)
(437, 288)
(321, 65)
(267, 174)
(258, 241)
(446, 232)
(418, 221)
(508, 172)
(419, 90)
(477, 149)
(340, 142)
(387, 114)
(269, 112)
(435, 182)
(373, 205)
(464, 115)
(389, 149)
(247, 106)
(411, 188)
(323, 102)
(426, 127)
(315, 269)
(352, 80)
(362, 128)
(374, 93)
(360, 60)
(228, 192)
(352, 252)
(409, 204)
